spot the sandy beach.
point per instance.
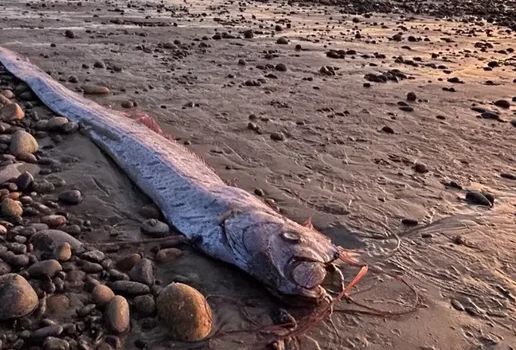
(389, 130)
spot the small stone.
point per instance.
(48, 240)
(71, 197)
(91, 267)
(411, 96)
(117, 315)
(277, 136)
(248, 34)
(99, 64)
(17, 297)
(48, 331)
(126, 263)
(282, 41)
(509, 176)
(24, 180)
(69, 34)
(502, 104)
(56, 123)
(129, 288)
(101, 295)
(420, 168)
(457, 305)
(53, 343)
(10, 208)
(127, 104)
(409, 222)
(45, 268)
(150, 212)
(168, 255)
(281, 67)
(11, 112)
(7, 93)
(54, 221)
(388, 130)
(143, 272)
(95, 90)
(145, 305)
(185, 312)
(477, 198)
(93, 255)
(63, 252)
(155, 228)
(4, 268)
(23, 142)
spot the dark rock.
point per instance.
(129, 287)
(143, 272)
(145, 305)
(45, 269)
(71, 197)
(475, 197)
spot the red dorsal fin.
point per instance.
(308, 223)
(149, 122)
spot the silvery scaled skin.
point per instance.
(225, 222)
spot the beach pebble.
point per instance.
(56, 123)
(93, 255)
(502, 104)
(155, 228)
(53, 343)
(69, 34)
(10, 208)
(63, 252)
(277, 136)
(4, 268)
(101, 295)
(420, 168)
(117, 315)
(54, 221)
(45, 268)
(185, 312)
(49, 331)
(91, 267)
(11, 112)
(168, 254)
(150, 212)
(478, 198)
(23, 142)
(145, 305)
(48, 240)
(143, 272)
(127, 262)
(71, 197)
(17, 297)
(95, 90)
(129, 287)
(7, 93)
(282, 41)
(24, 181)
(127, 104)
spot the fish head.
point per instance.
(291, 259)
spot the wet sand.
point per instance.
(321, 145)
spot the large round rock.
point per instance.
(17, 297)
(185, 312)
(117, 315)
(23, 142)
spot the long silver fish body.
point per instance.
(225, 222)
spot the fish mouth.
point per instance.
(308, 275)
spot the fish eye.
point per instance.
(291, 236)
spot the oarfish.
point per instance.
(225, 222)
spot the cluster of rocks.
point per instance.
(57, 293)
